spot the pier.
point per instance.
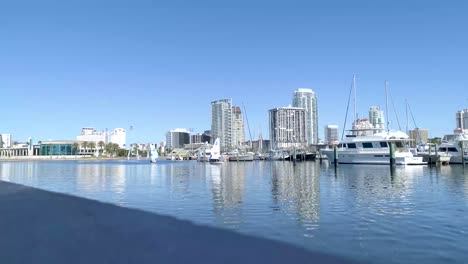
(37, 226)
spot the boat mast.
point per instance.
(247, 119)
(354, 88)
(386, 106)
(407, 130)
(347, 109)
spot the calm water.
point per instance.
(416, 215)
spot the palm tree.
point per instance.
(115, 148)
(85, 145)
(75, 146)
(101, 145)
(108, 148)
(92, 146)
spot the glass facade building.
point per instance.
(57, 148)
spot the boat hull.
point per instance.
(377, 158)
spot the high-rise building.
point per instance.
(6, 140)
(376, 118)
(462, 119)
(418, 136)
(238, 134)
(307, 99)
(331, 134)
(221, 123)
(288, 127)
(177, 138)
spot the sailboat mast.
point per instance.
(407, 129)
(386, 106)
(354, 89)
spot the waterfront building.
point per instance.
(238, 132)
(5, 140)
(288, 127)
(331, 134)
(118, 136)
(376, 118)
(307, 99)
(201, 137)
(221, 123)
(462, 119)
(90, 134)
(177, 138)
(418, 136)
(58, 148)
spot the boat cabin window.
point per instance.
(442, 149)
(351, 145)
(367, 145)
(384, 144)
(452, 149)
(399, 144)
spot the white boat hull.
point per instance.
(377, 158)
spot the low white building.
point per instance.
(90, 134)
(119, 136)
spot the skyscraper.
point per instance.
(331, 134)
(462, 119)
(307, 99)
(221, 122)
(238, 132)
(177, 138)
(376, 118)
(288, 127)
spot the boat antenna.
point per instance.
(347, 109)
(386, 106)
(248, 127)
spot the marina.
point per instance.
(355, 211)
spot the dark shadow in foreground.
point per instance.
(42, 227)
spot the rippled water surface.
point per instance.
(413, 215)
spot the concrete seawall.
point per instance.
(37, 226)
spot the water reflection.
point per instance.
(358, 211)
(296, 192)
(227, 187)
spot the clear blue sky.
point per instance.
(155, 66)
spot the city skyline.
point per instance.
(155, 68)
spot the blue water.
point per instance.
(413, 215)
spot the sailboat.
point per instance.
(215, 157)
(153, 153)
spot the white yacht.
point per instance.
(451, 146)
(374, 149)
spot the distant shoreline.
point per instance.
(57, 158)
